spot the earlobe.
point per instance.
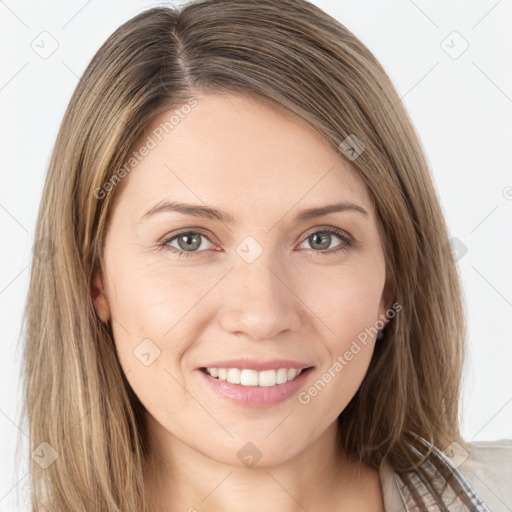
(99, 298)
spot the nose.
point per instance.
(258, 301)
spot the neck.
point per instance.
(181, 478)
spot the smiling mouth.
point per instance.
(254, 378)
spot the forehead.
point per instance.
(238, 150)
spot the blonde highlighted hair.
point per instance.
(289, 53)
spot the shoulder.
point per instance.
(483, 468)
(487, 465)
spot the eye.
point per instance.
(321, 240)
(188, 243)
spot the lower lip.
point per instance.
(256, 396)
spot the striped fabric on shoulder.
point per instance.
(437, 486)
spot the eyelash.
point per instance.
(348, 242)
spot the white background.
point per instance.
(461, 108)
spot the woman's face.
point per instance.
(254, 278)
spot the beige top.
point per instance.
(480, 480)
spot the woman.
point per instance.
(252, 302)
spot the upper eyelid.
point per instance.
(331, 229)
(169, 237)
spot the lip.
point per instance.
(254, 396)
(251, 364)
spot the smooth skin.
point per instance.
(297, 300)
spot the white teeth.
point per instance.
(282, 376)
(292, 373)
(247, 377)
(233, 375)
(267, 378)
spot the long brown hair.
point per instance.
(288, 53)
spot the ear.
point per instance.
(99, 298)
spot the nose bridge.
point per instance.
(255, 264)
(259, 280)
(258, 300)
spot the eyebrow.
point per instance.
(212, 213)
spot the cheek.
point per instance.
(154, 299)
(347, 309)
(335, 384)
(153, 326)
(346, 302)
(158, 314)
(137, 309)
(350, 312)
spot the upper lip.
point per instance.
(253, 364)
